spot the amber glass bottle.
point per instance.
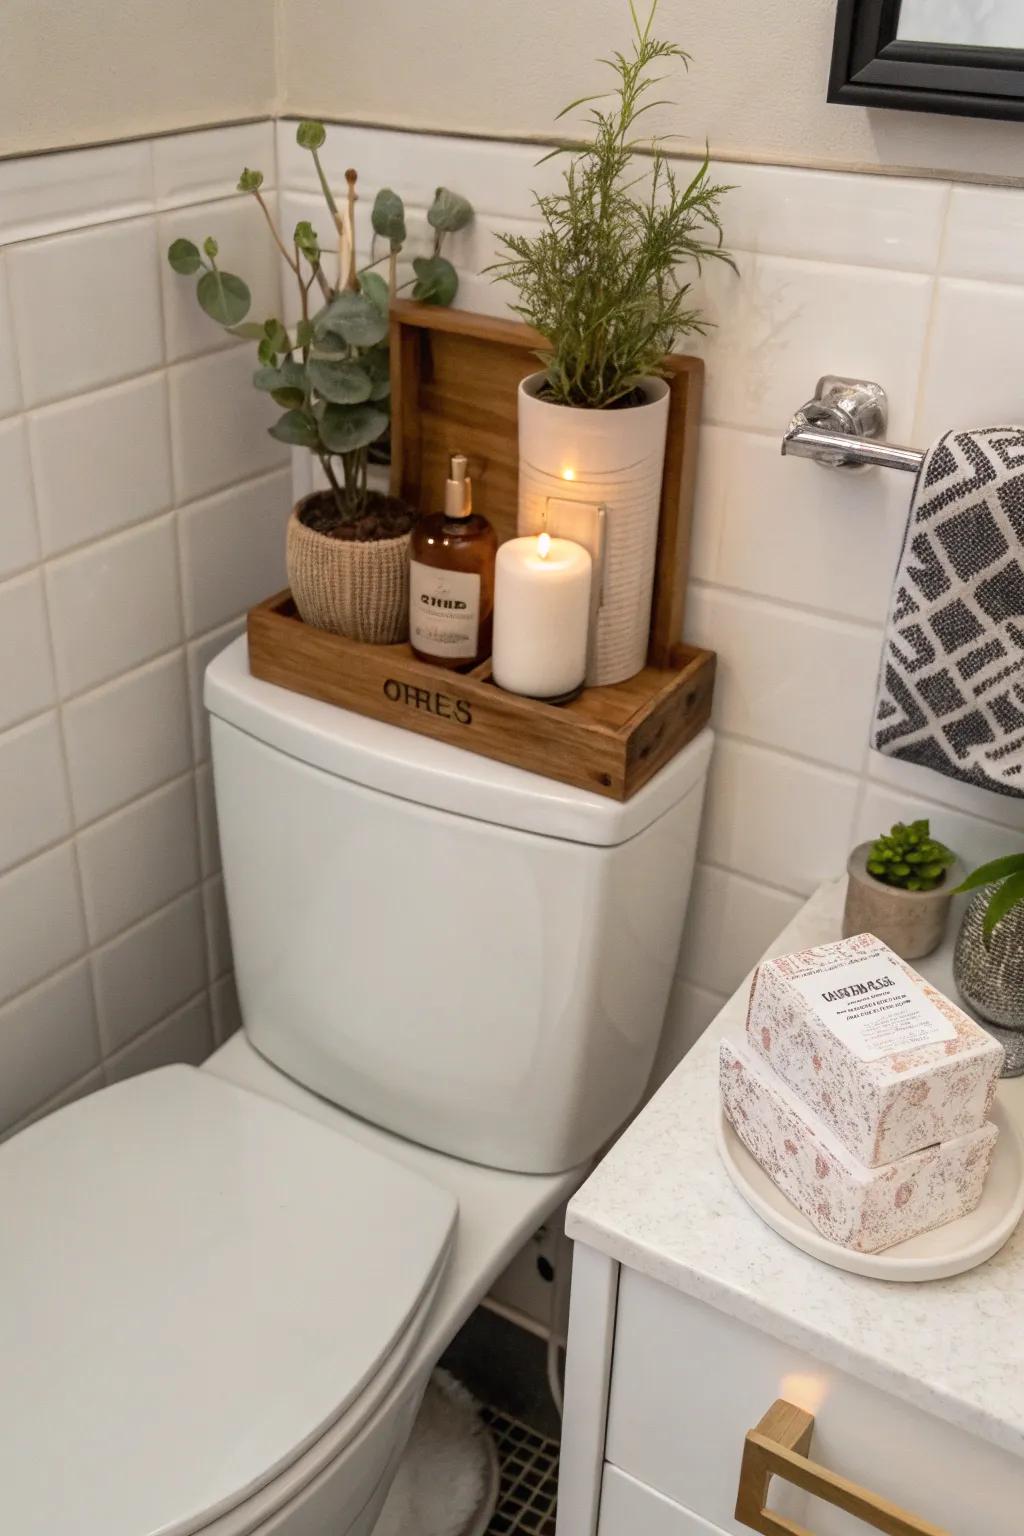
(451, 579)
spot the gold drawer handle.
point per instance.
(778, 1447)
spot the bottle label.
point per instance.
(444, 611)
(874, 1007)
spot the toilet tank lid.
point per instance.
(413, 767)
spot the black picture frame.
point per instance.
(872, 67)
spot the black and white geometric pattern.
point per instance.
(951, 685)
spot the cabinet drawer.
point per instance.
(630, 1509)
(688, 1382)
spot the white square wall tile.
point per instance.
(86, 308)
(41, 926)
(128, 737)
(101, 462)
(149, 971)
(47, 1040)
(246, 248)
(10, 388)
(985, 234)
(26, 672)
(200, 653)
(975, 840)
(730, 922)
(19, 538)
(33, 791)
(690, 1010)
(186, 1036)
(782, 323)
(788, 679)
(874, 221)
(40, 194)
(139, 859)
(786, 528)
(219, 424)
(114, 605)
(973, 372)
(209, 835)
(218, 931)
(233, 550)
(227, 1012)
(775, 818)
(195, 167)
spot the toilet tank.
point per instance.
(474, 957)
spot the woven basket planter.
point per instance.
(356, 588)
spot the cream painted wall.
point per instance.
(78, 72)
(756, 88)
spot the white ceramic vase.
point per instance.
(612, 458)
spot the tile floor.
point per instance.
(529, 1478)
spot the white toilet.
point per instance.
(222, 1290)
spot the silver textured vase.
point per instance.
(990, 976)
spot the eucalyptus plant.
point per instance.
(600, 281)
(329, 373)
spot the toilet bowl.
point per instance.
(224, 1288)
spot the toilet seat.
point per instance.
(178, 1229)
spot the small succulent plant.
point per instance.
(1007, 875)
(908, 857)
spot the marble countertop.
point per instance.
(661, 1202)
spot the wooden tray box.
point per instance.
(454, 382)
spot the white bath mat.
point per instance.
(447, 1482)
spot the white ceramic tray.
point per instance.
(948, 1250)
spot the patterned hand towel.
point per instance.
(951, 685)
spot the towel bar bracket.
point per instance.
(841, 428)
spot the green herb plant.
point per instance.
(329, 373)
(1007, 875)
(599, 282)
(909, 858)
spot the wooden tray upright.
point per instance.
(454, 381)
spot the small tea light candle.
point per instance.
(541, 616)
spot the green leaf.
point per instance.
(344, 383)
(296, 428)
(310, 134)
(995, 869)
(250, 181)
(343, 428)
(305, 238)
(266, 354)
(449, 211)
(388, 217)
(224, 297)
(249, 330)
(375, 289)
(276, 334)
(303, 333)
(184, 257)
(211, 247)
(1008, 896)
(437, 281)
(377, 362)
(355, 318)
(288, 376)
(288, 399)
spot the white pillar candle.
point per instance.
(541, 616)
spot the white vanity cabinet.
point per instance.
(690, 1320)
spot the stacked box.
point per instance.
(866, 1209)
(883, 1058)
(863, 1092)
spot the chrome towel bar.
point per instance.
(842, 426)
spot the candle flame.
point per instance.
(543, 545)
(568, 474)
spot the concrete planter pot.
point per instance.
(911, 922)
